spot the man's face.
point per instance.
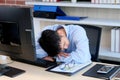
(64, 43)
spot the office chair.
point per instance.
(94, 35)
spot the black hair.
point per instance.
(49, 41)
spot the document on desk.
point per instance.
(69, 69)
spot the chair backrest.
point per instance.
(94, 36)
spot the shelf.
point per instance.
(106, 15)
(88, 21)
(106, 54)
(78, 4)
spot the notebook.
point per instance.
(68, 69)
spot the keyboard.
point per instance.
(45, 63)
(3, 70)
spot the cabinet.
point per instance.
(106, 16)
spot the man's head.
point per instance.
(53, 42)
(49, 41)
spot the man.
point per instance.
(63, 42)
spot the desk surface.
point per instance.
(39, 73)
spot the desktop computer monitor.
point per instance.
(16, 32)
(17, 35)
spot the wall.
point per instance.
(13, 2)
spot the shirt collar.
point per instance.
(65, 27)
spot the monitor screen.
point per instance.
(9, 34)
(17, 32)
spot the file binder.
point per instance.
(92, 72)
(70, 18)
(47, 11)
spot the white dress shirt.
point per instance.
(78, 48)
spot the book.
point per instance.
(97, 1)
(100, 1)
(92, 1)
(109, 1)
(117, 40)
(117, 1)
(105, 1)
(73, 1)
(67, 70)
(112, 1)
(113, 35)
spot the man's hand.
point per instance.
(63, 54)
(48, 58)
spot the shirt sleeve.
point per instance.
(81, 54)
(40, 53)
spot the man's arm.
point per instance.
(81, 53)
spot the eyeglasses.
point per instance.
(67, 66)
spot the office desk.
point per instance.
(39, 73)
